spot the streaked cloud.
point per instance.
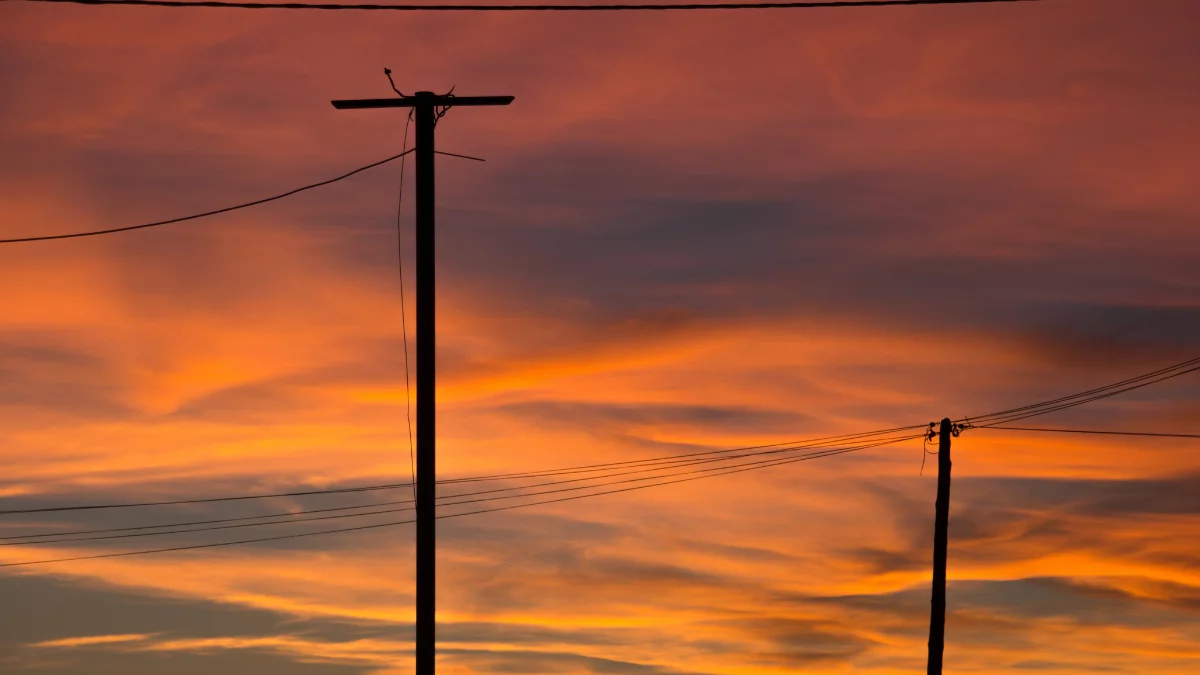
(692, 233)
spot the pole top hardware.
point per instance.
(421, 98)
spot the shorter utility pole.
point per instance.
(937, 614)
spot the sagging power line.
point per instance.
(227, 209)
(1081, 398)
(585, 468)
(612, 470)
(620, 7)
(446, 500)
(1092, 431)
(721, 472)
(988, 420)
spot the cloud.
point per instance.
(693, 233)
(92, 640)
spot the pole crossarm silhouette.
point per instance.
(427, 109)
(419, 99)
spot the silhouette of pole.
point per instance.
(937, 614)
(426, 388)
(427, 107)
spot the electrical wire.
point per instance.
(1093, 431)
(1132, 380)
(495, 477)
(1078, 402)
(47, 542)
(526, 8)
(227, 209)
(980, 421)
(601, 467)
(826, 453)
(208, 500)
(657, 465)
(412, 462)
(206, 214)
(65, 536)
(135, 528)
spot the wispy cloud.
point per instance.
(92, 641)
(693, 232)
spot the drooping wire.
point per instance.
(1090, 396)
(586, 468)
(979, 421)
(1169, 372)
(812, 4)
(972, 422)
(207, 500)
(826, 453)
(444, 499)
(40, 536)
(206, 214)
(645, 466)
(1092, 431)
(925, 438)
(412, 462)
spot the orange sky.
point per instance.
(693, 231)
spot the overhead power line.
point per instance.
(1082, 398)
(724, 471)
(412, 458)
(612, 472)
(1093, 431)
(657, 465)
(205, 214)
(484, 496)
(587, 468)
(978, 421)
(815, 4)
(206, 500)
(227, 209)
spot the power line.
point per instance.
(646, 466)
(980, 421)
(586, 468)
(1081, 398)
(412, 462)
(71, 536)
(1093, 431)
(495, 477)
(527, 8)
(1132, 380)
(206, 214)
(135, 528)
(1083, 401)
(207, 500)
(199, 546)
(47, 542)
(227, 209)
(728, 471)
(652, 469)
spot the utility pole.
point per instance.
(937, 614)
(428, 108)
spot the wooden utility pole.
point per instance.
(428, 107)
(937, 614)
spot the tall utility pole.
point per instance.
(428, 107)
(937, 614)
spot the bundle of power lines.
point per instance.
(528, 7)
(503, 491)
(508, 491)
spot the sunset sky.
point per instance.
(693, 231)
